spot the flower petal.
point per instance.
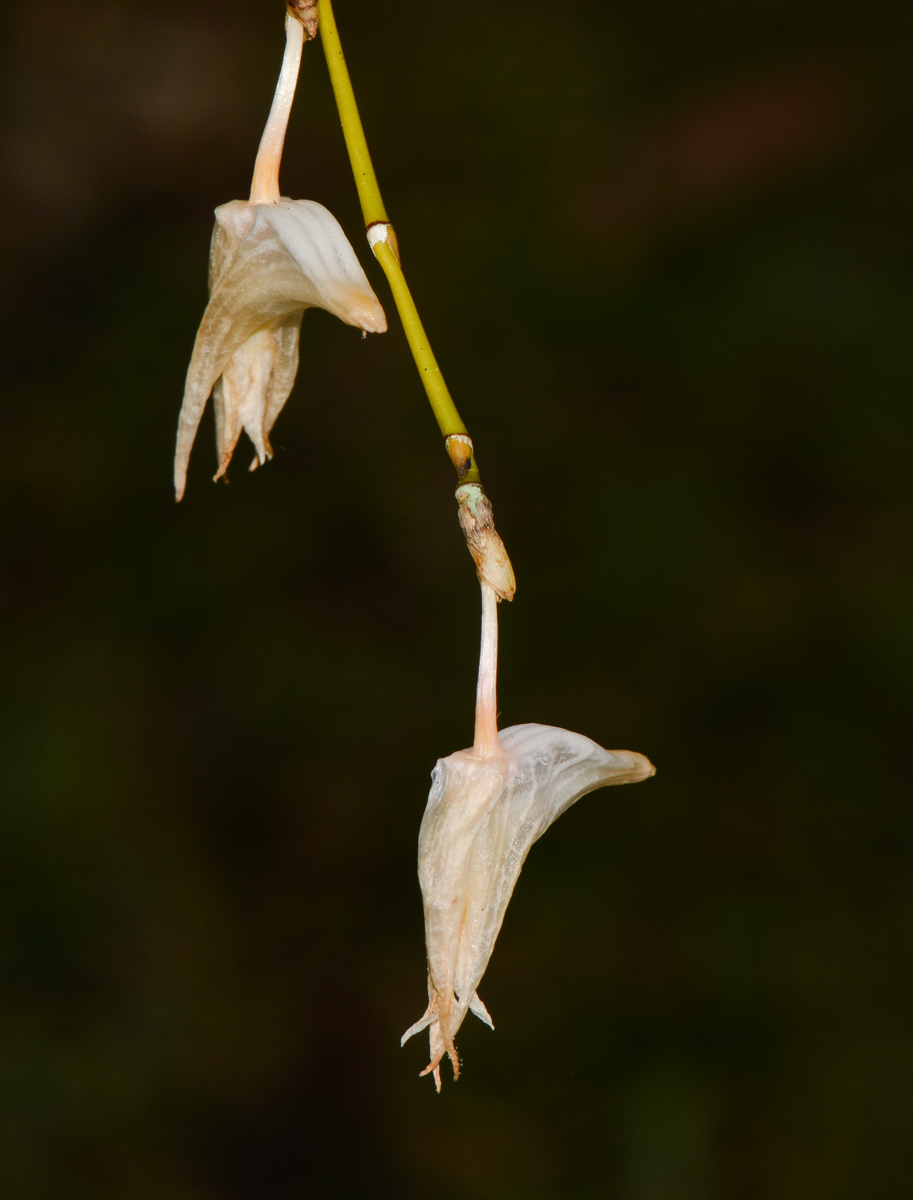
(315, 239)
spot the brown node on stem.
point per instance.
(393, 242)
(304, 11)
(478, 524)
(459, 448)
(383, 231)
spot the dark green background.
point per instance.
(665, 255)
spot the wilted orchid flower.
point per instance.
(486, 808)
(271, 258)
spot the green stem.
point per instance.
(372, 206)
(382, 240)
(438, 393)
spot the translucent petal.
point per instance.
(250, 392)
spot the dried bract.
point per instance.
(304, 11)
(489, 555)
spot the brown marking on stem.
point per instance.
(459, 447)
(389, 236)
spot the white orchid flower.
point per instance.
(487, 806)
(271, 258)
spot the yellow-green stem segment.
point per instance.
(372, 206)
(441, 401)
(384, 247)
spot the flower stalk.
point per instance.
(383, 241)
(486, 736)
(264, 188)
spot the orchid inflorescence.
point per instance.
(271, 259)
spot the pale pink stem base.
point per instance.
(486, 741)
(264, 188)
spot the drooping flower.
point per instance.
(271, 258)
(487, 806)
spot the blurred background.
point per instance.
(665, 255)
